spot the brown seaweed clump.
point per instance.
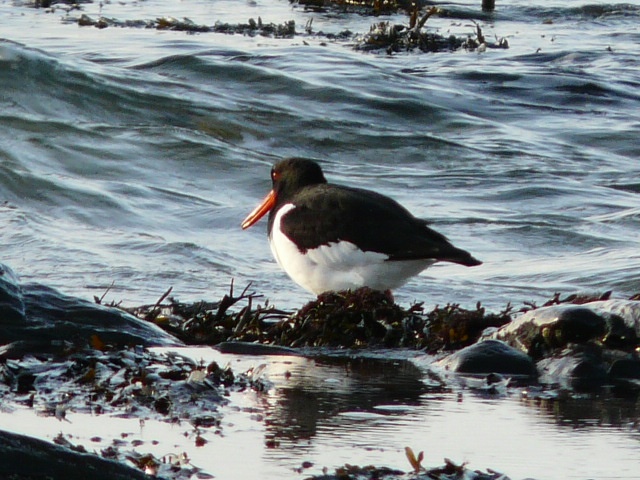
(253, 27)
(449, 471)
(369, 318)
(385, 36)
(349, 319)
(360, 318)
(211, 323)
(400, 38)
(452, 327)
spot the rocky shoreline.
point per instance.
(61, 353)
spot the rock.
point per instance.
(489, 356)
(27, 458)
(539, 332)
(624, 374)
(580, 347)
(580, 369)
(624, 369)
(36, 313)
(621, 315)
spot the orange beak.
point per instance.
(260, 211)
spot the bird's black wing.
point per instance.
(330, 213)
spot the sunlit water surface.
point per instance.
(328, 412)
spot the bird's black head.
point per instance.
(289, 177)
(292, 174)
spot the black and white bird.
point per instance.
(332, 237)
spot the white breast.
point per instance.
(340, 265)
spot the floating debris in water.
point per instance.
(384, 36)
(252, 27)
(402, 38)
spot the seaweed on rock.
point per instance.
(580, 340)
(347, 319)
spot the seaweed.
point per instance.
(452, 327)
(253, 27)
(449, 471)
(382, 36)
(574, 298)
(399, 37)
(362, 318)
(357, 319)
(119, 380)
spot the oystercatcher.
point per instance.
(332, 237)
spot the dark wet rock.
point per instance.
(39, 315)
(579, 369)
(624, 375)
(539, 332)
(489, 356)
(542, 330)
(55, 315)
(622, 316)
(26, 458)
(580, 347)
(625, 369)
